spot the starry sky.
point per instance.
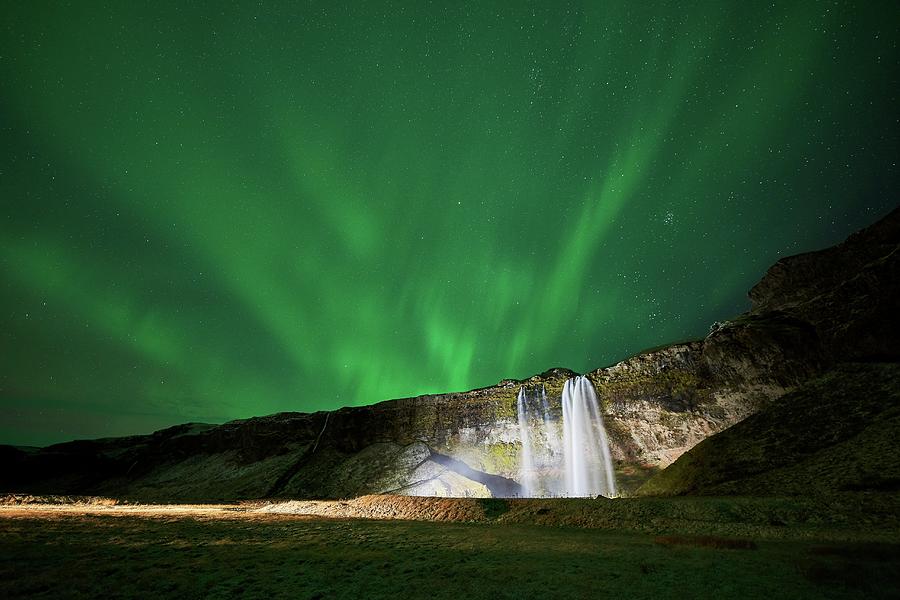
(216, 210)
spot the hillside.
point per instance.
(835, 433)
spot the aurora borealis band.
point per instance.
(214, 211)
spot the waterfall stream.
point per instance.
(527, 472)
(581, 464)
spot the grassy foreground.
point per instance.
(91, 550)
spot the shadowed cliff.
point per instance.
(836, 432)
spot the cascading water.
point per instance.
(589, 469)
(579, 466)
(553, 485)
(527, 471)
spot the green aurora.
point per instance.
(213, 211)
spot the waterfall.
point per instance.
(580, 464)
(549, 430)
(527, 471)
(589, 469)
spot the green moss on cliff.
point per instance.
(502, 458)
(504, 403)
(682, 386)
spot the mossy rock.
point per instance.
(502, 457)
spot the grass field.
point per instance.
(88, 551)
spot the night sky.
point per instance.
(218, 211)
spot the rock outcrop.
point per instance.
(809, 312)
(848, 293)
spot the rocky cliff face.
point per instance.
(835, 432)
(808, 312)
(848, 293)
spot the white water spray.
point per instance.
(549, 430)
(527, 471)
(579, 466)
(589, 469)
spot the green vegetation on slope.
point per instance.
(837, 432)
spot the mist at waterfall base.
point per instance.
(574, 464)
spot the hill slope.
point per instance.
(836, 433)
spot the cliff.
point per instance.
(848, 293)
(835, 432)
(809, 313)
